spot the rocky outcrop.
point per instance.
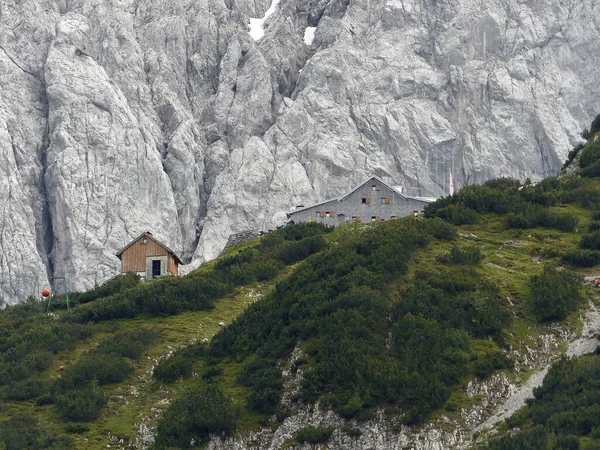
(490, 401)
(122, 117)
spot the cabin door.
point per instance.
(155, 268)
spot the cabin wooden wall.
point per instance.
(133, 259)
(173, 266)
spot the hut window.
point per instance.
(385, 200)
(366, 200)
(327, 213)
(318, 214)
(356, 218)
(322, 213)
(144, 241)
(373, 218)
(375, 187)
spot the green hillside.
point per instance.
(564, 413)
(398, 315)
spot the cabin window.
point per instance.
(375, 187)
(144, 241)
(327, 214)
(385, 200)
(355, 218)
(394, 217)
(318, 213)
(366, 200)
(373, 218)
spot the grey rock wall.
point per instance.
(118, 117)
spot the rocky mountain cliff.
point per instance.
(118, 117)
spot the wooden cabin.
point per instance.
(149, 258)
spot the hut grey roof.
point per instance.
(150, 236)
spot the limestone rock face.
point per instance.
(118, 117)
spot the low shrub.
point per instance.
(590, 155)
(80, 405)
(466, 255)
(130, 344)
(25, 389)
(105, 368)
(456, 214)
(264, 378)
(534, 215)
(172, 368)
(194, 415)
(554, 293)
(118, 284)
(486, 365)
(590, 241)
(211, 372)
(572, 154)
(582, 258)
(22, 431)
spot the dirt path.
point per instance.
(586, 343)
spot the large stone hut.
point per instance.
(371, 201)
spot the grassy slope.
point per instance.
(511, 257)
(134, 400)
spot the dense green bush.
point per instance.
(336, 305)
(524, 205)
(80, 405)
(485, 365)
(22, 431)
(27, 347)
(164, 296)
(466, 255)
(554, 293)
(194, 415)
(118, 284)
(533, 215)
(173, 368)
(582, 258)
(179, 364)
(572, 154)
(264, 378)
(105, 368)
(457, 214)
(590, 155)
(590, 241)
(25, 389)
(459, 298)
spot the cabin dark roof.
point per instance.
(148, 235)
